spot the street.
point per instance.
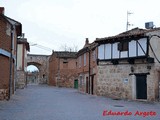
(42, 102)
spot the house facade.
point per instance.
(128, 65)
(87, 67)
(9, 31)
(62, 69)
(22, 48)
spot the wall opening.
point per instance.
(87, 84)
(141, 86)
(32, 74)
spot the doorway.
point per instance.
(76, 84)
(92, 84)
(87, 84)
(141, 87)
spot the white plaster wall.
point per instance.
(143, 43)
(132, 49)
(155, 43)
(115, 50)
(107, 51)
(19, 56)
(101, 52)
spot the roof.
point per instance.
(64, 54)
(131, 34)
(13, 22)
(37, 55)
(87, 48)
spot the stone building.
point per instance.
(62, 69)
(128, 65)
(86, 67)
(42, 63)
(9, 31)
(22, 48)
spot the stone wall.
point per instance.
(62, 71)
(21, 79)
(42, 63)
(118, 81)
(82, 81)
(3, 94)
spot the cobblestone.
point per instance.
(51, 103)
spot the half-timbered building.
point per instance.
(128, 65)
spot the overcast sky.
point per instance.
(56, 23)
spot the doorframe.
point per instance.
(144, 82)
(158, 85)
(134, 87)
(87, 85)
(92, 85)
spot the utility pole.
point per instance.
(128, 23)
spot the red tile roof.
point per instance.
(134, 33)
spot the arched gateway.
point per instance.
(41, 62)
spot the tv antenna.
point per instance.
(128, 23)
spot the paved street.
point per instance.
(51, 103)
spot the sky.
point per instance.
(32, 68)
(53, 24)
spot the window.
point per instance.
(85, 59)
(101, 51)
(65, 61)
(123, 46)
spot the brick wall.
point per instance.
(83, 71)
(62, 73)
(5, 44)
(4, 79)
(5, 40)
(53, 70)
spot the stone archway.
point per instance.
(33, 77)
(41, 62)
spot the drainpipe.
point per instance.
(158, 87)
(11, 63)
(58, 80)
(89, 72)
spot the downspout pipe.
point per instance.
(89, 70)
(58, 80)
(11, 63)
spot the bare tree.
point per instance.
(74, 48)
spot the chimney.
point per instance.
(2, 10)
(87, 41)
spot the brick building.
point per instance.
(86, 67)
(9, 31)
(22, 48)
(62, 68)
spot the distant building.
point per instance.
(33, 77)
(62, 68)
(9, 31)
(22, 48)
